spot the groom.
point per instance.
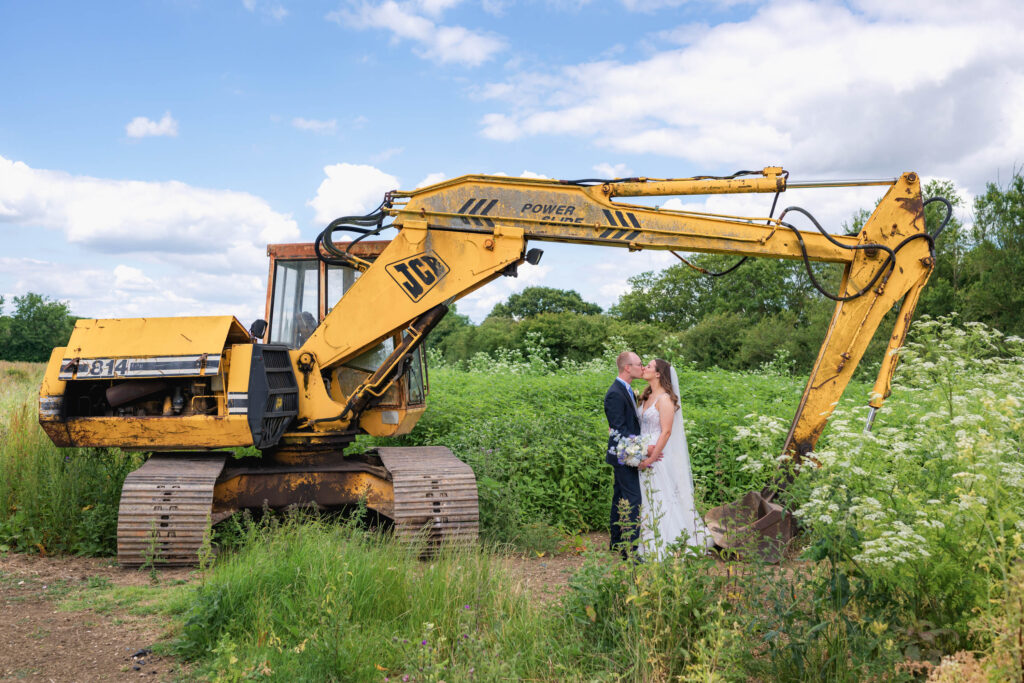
(620, 409)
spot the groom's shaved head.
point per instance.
(625, 359)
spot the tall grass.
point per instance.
(311, 601)
(52, 500)
(306, 600)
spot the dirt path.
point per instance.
(39, 642)
(546, 577)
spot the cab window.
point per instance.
(339, 280)
(293, 316)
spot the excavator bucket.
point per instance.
(751, 525)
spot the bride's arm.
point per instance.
(665, 416)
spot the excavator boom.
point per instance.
(455, 236)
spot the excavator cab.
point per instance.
(295, 301)
(301, 291)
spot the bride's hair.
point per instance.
(664, 379)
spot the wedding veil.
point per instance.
(678, 458)
(679, 455)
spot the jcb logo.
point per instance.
(418, 274)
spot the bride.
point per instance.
(667, 512)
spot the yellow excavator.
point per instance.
(341, 350)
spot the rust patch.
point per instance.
(915, 207)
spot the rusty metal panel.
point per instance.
(165, 509)
(148, 337)
(158, 433)
(325, 486)
(304, 250)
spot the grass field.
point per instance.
(911, 541)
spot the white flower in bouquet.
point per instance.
(628, 450)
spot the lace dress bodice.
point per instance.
(650, 423)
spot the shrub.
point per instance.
(924, 515)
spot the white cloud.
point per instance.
(127, 277)
(501, 127)
(140, 248)
(206, 228)
(524, 174)
(126, 291)
(439, 43)
(606, 276)
(494, 7)
(684, 34)
(892, 88)
(272, 10)
(431, 179)
(141, 127)
(387, 154)
(612, 170)
(315, 126)
(436, 7)
(478, 304)
(655, 5)
(350, 190)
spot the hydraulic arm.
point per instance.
(458, 235)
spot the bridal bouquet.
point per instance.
(628, 450)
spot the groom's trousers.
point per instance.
(625, 531)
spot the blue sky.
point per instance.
(150, 150)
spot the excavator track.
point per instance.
(165, 509)
(435, 498)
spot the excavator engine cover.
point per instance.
(167, 384)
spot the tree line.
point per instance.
(36, 325)
(766, 311)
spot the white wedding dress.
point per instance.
(667, 513)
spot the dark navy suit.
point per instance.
(620, 409)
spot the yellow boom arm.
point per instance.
(458, 235)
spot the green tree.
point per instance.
(36, 327)
(856, 224)
(533, 301)
(488, 336)
(450, 324)
(996, 297)
(579, 337)
(5, 327)
(948, 284)
(680, 297)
